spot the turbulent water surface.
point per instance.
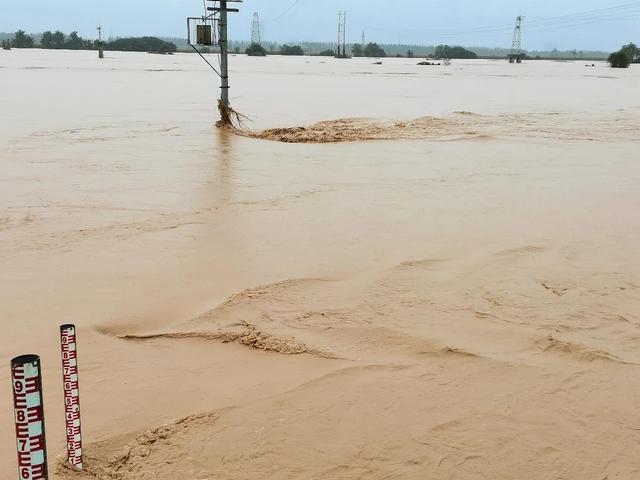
(392, 271)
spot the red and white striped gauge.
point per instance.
(68, 341)
(26, 377)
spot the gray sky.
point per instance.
(465, 22)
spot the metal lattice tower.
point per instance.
(342, 34)
(516, 45)
(255, 29)
(364, 39)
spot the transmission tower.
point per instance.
(342, 35)
(516, 46)
(255, 29)
(364, 39)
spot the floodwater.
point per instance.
(455, 297)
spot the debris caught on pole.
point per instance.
(26, 379)
(69, 349)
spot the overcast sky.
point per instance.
(466, 22)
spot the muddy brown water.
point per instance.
(458, 295)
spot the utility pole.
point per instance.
(100, 46)
(202, 31)
(342, 35)
(224, 54)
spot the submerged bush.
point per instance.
(141, 44)
(291, 50)
(373, 50)
(619, 60)
(446, 51)
(256, 50)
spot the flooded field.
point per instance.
(393, 271)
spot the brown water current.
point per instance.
(392, 271)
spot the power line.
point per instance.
(603, 14)
(284, 12)
(590, 13)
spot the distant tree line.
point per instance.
(316, 48)
(73, 41)
(372, 50)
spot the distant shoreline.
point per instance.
(419, 51)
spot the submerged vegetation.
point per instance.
(445, 51)
(141, 44)
(21, 40)
(58, 40)
(624, 57)
(256, 50)
(632, 52)
(374, 50)
(291, 50)
(619, 60)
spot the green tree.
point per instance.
(291, 50)
(52, 40)
(409, 53)
(327, 53)
(256, 50)
(619, 59)
(22, 40)
(374, 50)
(46, 40)
(141, 44)
(445, 51)
(632, 52)
(357, 50)
(74, 42)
